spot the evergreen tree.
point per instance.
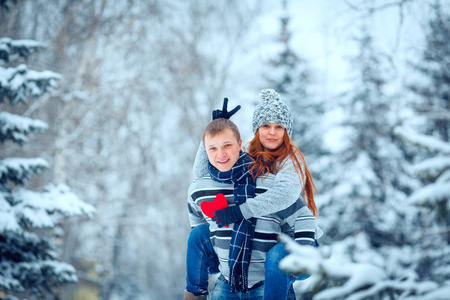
(433, 200)
(432, 166)
(29, 220)
(434, 93)
(368, 178)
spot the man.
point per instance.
(239, 251)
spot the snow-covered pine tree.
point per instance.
(369, 179)
(29, 220)
(434, 96)
(431, 134)
(360, 178)
(433, 197)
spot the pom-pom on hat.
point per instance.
(270, 109)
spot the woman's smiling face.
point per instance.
(271, 135)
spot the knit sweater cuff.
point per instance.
(245, 210)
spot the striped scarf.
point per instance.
(243, 231)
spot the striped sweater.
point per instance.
(296, 221)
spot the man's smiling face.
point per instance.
(223, 149)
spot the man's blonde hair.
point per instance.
(219, 125)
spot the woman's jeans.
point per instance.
(278, 283)
(201, 260)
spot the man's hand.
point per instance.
(227, 216)
(224, 113)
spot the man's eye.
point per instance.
(212, 149)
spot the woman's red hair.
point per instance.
(266, 162)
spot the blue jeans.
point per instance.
(222, 291)
(201, 260)
(278, 283)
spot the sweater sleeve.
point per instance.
(200, 168)
(286, 190)
(194, 213)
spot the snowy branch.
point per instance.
(38, 209)
(35, 273)
(17, 84)
(432, 167)
(19, 170)
(430, 194)
(354, 281)
(16, 128)
(424, 141)
(306, 259)
(11, 50)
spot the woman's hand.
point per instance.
(224, 113)
(227, 216)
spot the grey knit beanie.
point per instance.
(270, 109)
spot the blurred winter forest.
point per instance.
(131, 88)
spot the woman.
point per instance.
(272, 152)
